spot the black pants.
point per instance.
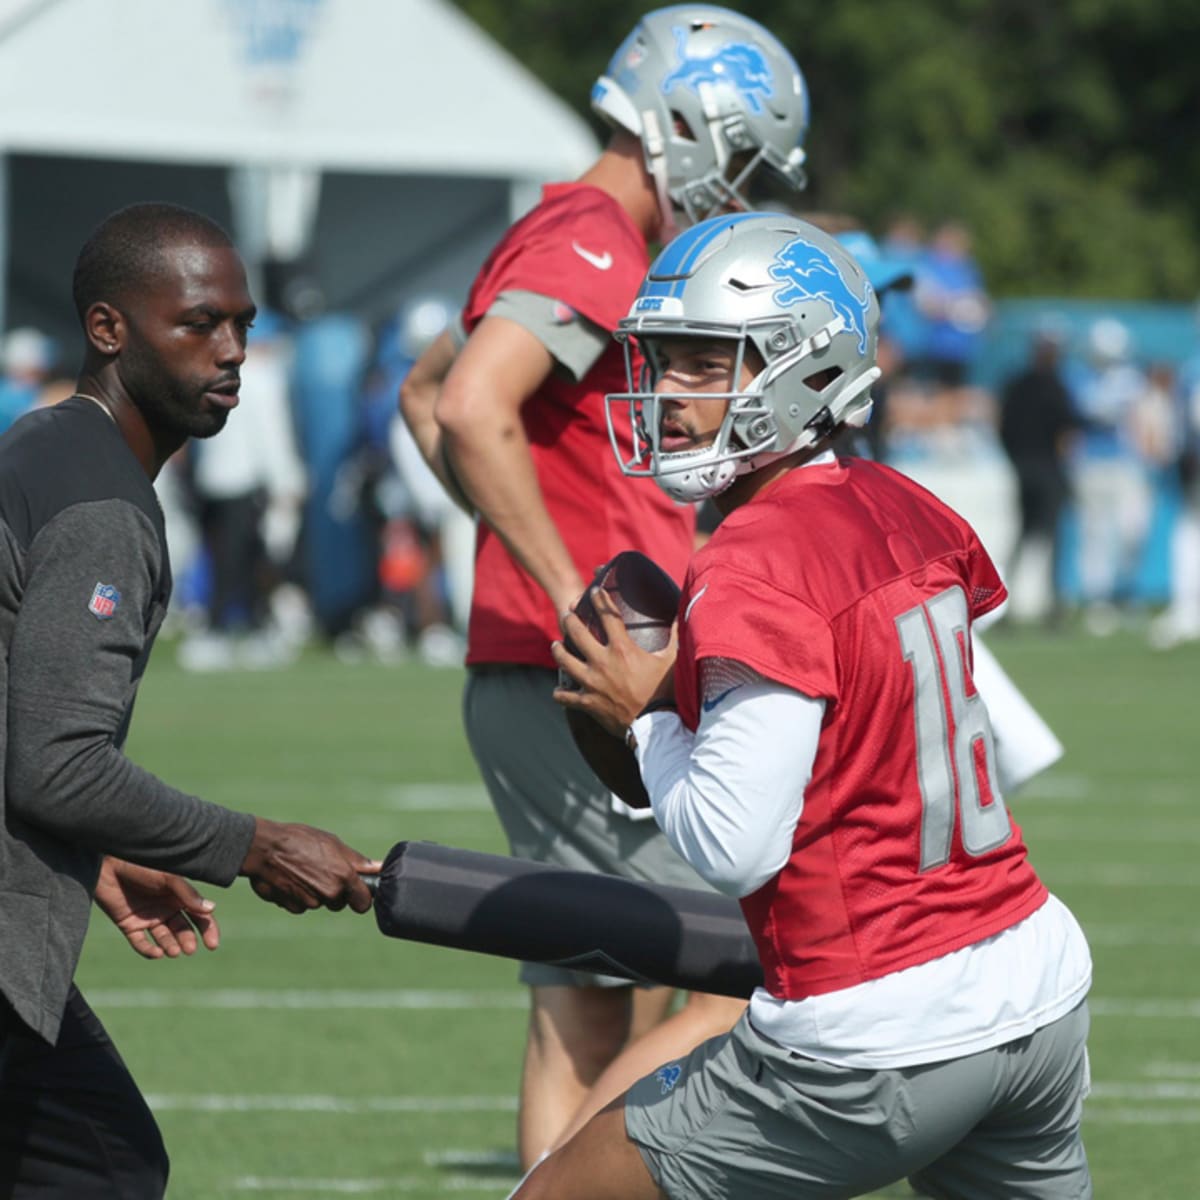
(239, 562)
(72, 1121)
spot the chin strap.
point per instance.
(856, 408)
(656, 162)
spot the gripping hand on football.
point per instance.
(616, 679)
(299, 867)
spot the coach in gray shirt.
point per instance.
(84, 585)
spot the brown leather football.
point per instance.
(648, 600)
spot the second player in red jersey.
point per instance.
(580, 247)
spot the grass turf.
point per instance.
(310, 1057)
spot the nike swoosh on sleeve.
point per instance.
(601, 262)
(709, 705)
(687, 612)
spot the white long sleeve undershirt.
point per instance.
(719, 795)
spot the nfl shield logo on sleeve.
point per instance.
(104, 601)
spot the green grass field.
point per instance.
(310, 1057)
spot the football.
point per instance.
(648, 599)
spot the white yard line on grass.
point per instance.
(1140, 1116)
(1145, 1007)
(366, 1187)
(503, 1159)
(1165, 1102)
(1077, 789)
(1132, 875)
(279, 928)
(319, 1104)
(1141, 935)
(1145, 1091)
(353, 1105)
(1068, 789)
(318, 999)
(282, 928)
(373, 795)
(1172, 1070)
(437, 797)
(1119, 832)
(1151, 1007)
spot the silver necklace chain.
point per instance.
(98, 403)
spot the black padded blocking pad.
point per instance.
(491, 904)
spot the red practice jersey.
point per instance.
(852, 584)
(578, 247)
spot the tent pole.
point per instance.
(3, 240)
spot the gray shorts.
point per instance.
(743, 1117)
(552, 807)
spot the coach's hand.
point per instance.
(160, 914)
(299, 867)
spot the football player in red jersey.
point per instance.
(510, 415)
(817, 748)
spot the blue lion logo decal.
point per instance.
(668, 1076)
(808, 273)
(739, 63)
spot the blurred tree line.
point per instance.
(1062, 131)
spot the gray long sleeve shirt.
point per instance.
(84, 586)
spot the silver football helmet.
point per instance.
(762, 280)
(712, 96)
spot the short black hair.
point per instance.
(125, 249)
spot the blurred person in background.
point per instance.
(508, 411)
(904, 242)
(427, 543)
(1037, 424)
(445, 528)
(917, 408)
(249, 490)
(1157, 434)
(951, 294)
(336, 561)
(1110, 482)
(943, 437)
(1179, 623)
(26, 364)
(85, 581)
(955, 308)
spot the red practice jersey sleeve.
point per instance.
(580, 248)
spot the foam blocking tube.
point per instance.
(491, 904)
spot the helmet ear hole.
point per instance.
(682, 127)
(820, 380)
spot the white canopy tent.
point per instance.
(389, 140)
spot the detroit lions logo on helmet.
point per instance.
(739, 63)
(808, 273)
